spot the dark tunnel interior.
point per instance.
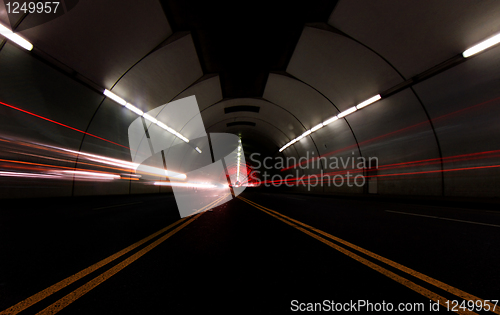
(168, 156)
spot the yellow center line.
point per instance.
(15, 309)
(63, 283)
(302, 227)
(73, 296)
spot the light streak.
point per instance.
(61, 124)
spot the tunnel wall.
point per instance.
(32, 85)
(437, 137)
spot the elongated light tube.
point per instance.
(134, 109)
(347, 112)
(182, 137)
(15, 38)
(167, 128)
(317, 127)
(368, 101)
(492, 41)
(115, 97)
(139, 112)
(198, 149)
(326, 122)
(150, 118)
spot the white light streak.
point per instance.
(192, 185)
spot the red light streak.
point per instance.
(47, 165)
(61, 124)
(321, 179)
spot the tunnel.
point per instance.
(264, 157)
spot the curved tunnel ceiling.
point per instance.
(300, 64)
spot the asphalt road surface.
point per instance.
(260, 253)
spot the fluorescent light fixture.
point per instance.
(347, 112)
(368, 101)
(317, 127)
(150, 118)
(114, 97)
(239, 148)
(284, 147)
(492, 41)
(167, 128)
(162, 125)
(326, 122)
(308, 132)
(15, 38)
(134, 109)
(182, 137)
(198, 149)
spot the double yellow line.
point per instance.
(74, 295)
(327, 239)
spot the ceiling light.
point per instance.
(368, 101)
(347, 112)
(326, 122)
(305, 134)
(167, 128)
(317, 127)
(134, 109)
(162, 125)
(150, 118)
(15, 38)
(482, 46)
(198, 149)
(114, 97)
(285, 146)
(182, 137)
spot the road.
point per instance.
(260, 253)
